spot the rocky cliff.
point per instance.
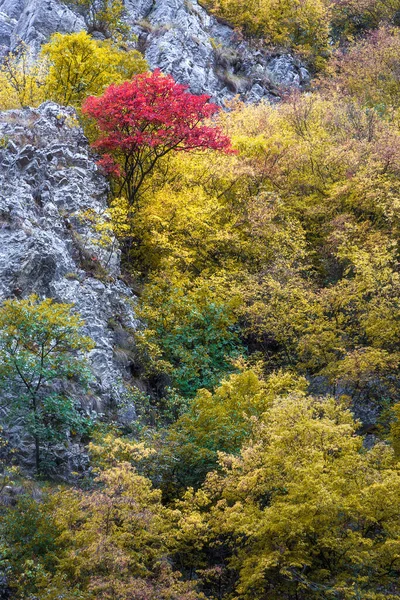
(178, 36)
(48, 179)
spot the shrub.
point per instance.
(41, 349)
(301, 25)
(104, 16)
(354, 17)
(368, 71)
(190, 333)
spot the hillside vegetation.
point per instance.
(263, 243)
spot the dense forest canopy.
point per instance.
(263, 243)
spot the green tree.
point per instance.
(41, 349)
(191, 333)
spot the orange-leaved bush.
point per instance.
(142, 120)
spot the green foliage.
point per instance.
(109, 543)
(395, 429)
(286, 252)
(190, 333)
(302, 512)
(41, 349)
(8, 470)
(336, 172)
(213, 423)
(353, 17)
(28, 544)
(297, 236)
(307, 26)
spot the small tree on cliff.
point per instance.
(142, 120)
(40, 347)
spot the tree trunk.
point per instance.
(37, 454)
(35, 436)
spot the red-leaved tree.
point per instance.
(142, 120)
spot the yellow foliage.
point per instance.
(299, 24)
(300, 225)
(80, 66)
(22, 80)
(108, 450)
(395, 430)
(219, 421)
(352, 17)
(368, 71)
(104, 16)
(190, 330)
(287, 253)
(70, 67)
(21, 319)
(303, 509)
(114, 542)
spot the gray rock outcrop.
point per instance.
(181, 38)
(177, 36)
(33, 22)
(48, 183)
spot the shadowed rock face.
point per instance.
(47, 180)
(177, 36)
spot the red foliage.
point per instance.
(109, 166)
(144, 119)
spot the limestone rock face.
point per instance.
(177, 36)
(48, 179)
(181, 38)
(33, 21)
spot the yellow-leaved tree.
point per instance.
(303, 513)
(117, 540)
(104, 16)
(368, 71)
(68, 69)
(113, 542)
(80, 66)
(22, 79)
